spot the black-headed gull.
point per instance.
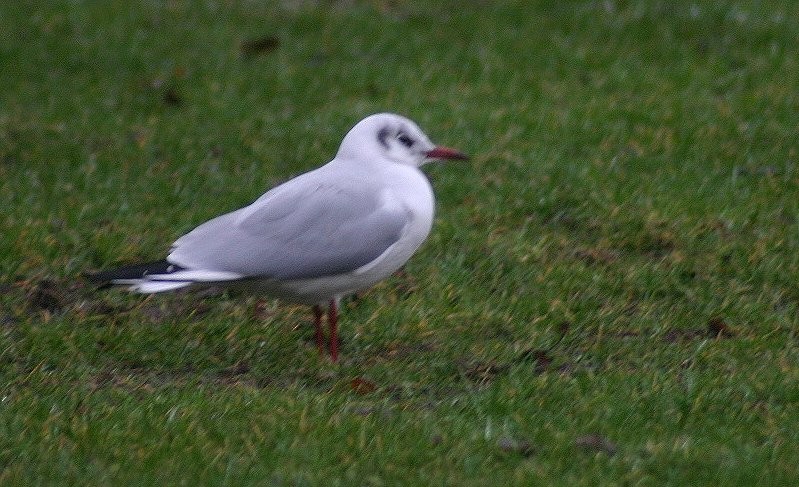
(319, 236)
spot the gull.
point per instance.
(324, 234)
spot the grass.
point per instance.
(609, 295)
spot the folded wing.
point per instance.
(297, 231)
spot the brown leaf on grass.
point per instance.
(260, 45)
(46, 296)
(595, 442)
(171, 97)
(362, 386)
(718, 328)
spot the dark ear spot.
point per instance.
(405, 139)
(382, 136)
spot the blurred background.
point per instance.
(608, 295)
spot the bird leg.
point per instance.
(320, 340)
(332, 322)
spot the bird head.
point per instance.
(393, 138)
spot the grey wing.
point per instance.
(297, 232)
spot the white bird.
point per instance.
(319, 236)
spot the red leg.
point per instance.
(332, 321)
(320, 340)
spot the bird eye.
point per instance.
(405, 139)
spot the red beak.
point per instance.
(446, 153)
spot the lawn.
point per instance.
(608, 297)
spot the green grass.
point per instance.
(619, 258)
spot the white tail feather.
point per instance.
(197, 275)
(157, 283)
(147, 287)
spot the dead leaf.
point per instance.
(718, 328)
(261, 45)
(45, 296)
(171, 97)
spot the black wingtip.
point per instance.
(103, 279)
